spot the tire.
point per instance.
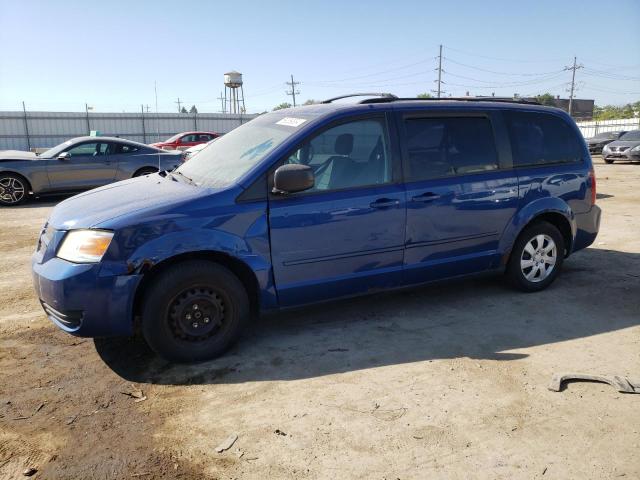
(145, 171)
(194, 311)
(539, 272)
(608, 160)
(14, 189)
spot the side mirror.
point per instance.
(293, 178)
(64, 156)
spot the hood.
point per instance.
(128, 197)
(17, 155)
(591, 141)
(623, 143)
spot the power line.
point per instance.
(293, 92)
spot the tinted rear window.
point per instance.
(540, 138)
(442, 147)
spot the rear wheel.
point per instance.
(145, 171)
(608, 160)
(536, 258)
(194, 311)
(13, 189)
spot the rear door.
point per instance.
(345, 235)
(461, 192)
(88, 166)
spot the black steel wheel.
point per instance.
(13, 189)
(194, 311)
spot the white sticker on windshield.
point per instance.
(291, 122)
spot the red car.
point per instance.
(184, 140)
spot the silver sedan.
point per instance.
(78, 164)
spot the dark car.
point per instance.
(597, 142)
(78, 164)
(626, 148)
(316, 203)
(184, 140)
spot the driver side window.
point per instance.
(350, 155)
(91, 149)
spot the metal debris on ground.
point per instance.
(135, 393)
(227, 444)
(622, 384)
(29, 472)
(280, 432)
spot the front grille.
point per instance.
(71, 318)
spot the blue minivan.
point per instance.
(317, 203)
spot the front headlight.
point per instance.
(606, 147)
(84, 246)
(636, 148)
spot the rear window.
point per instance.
(443, 147)
(540, 139)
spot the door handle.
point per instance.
(426, 197)
(385, 203)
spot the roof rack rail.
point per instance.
(458, 99)
(382, 97)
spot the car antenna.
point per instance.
(155, 89)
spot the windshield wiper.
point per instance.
(190, 180)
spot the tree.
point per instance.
(424, 95)
(546, 99)
(311, 101)
(281, 106)
(612, 112)
(193, 109)
(183, 110)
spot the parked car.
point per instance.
(627, 147)
(77, 164)
(316, 203)
(191, 151)
(184, 140)
(597, 142)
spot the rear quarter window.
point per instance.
(541, 139)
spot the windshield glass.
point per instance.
(635, 135)
(224, 161)
(606, 135)
(52, 152)
(174, 138)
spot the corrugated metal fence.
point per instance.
(593, 127)
(23, 131)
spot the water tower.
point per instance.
(233, 98)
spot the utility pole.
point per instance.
(440, 72)
(179, 103)
(293, 92)
(86, 109)
(26, 126)
(147, 108)
(573, 82)
(222, 107)
(144, 129)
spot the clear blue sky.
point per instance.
(55, 55)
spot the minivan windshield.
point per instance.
(635, 135)
(224, 161)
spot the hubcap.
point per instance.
(196, 314)
(538, 258)
(11, 190)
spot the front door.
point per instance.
(461, 193)
(88, 166)
(345, 235)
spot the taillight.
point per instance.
(592, 177)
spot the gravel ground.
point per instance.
(447, 381)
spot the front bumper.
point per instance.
(82, 301)
(627, 155)
(595, 148)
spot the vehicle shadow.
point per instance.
(477, 318)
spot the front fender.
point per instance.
(524, 216)
(242, 235)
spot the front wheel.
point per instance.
(13, 190)
(194, 311)
(536, 257)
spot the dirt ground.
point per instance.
(447, 381)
